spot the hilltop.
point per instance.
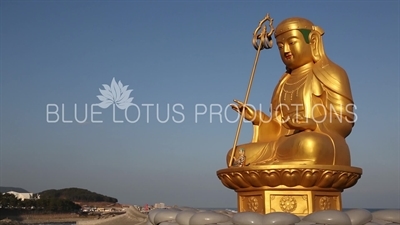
(76, 195)
(57, 201)
(72, 194)
(16, 189)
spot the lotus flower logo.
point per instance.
(116, 94)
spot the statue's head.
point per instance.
(299, 42)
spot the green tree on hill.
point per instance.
(9, 201)
(76, 195)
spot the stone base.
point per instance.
(299, 202)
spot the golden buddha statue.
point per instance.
(311, 110)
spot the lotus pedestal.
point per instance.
(300, 190)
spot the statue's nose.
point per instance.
(286, 48)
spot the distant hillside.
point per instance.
(76, 195)
(16, 189)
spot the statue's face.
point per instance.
(294, 50)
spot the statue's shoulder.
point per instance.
(281, 81)
(333, 77)
(283, 78)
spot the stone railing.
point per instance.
(189, 216)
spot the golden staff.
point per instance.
(265, 42)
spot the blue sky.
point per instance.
(169, 53)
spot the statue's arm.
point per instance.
(268, 129)
(260, 117)
(339, 117)
(335, 93)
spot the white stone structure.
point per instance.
(23, 196)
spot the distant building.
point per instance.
(159, 205)
(23, 196)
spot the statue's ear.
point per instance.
(315, 43)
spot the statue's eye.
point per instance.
(292, 42)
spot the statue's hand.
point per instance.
(249, 112)
(299, 122)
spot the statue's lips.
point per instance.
(288, 56)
